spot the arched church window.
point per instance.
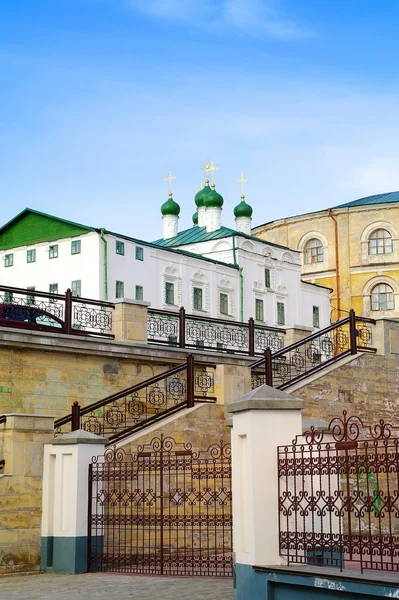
(380, 242)
(382, 297)
(314, 251)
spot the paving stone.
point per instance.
(106, 586)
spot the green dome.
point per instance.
(170, 207)
(199, 196)
(213, 200)
(195, 218)
(243, 210)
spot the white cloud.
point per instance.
(256, 18)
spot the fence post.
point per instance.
(182, 327)
(190, 381)
(251, 336)
(75, 425)
(352, 331)
(268, 367)
(68, 311)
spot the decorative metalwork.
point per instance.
(339, 496)
(266, 339)
(164, 510)
(216, 335)
(33, 303)
(91, 318)
(132, 409)
(163, 328)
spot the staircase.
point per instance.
(316, 352)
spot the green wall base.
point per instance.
(64, 554)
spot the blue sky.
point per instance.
(100, 98)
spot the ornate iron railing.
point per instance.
(192, 331)
(132, 409)
(339, 496)
(3, 419)
(31, 309)
(290, 365)
(164, 510)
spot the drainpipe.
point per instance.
(240, 272)
(102, 231)
(336, 261)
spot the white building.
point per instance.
(209, 269)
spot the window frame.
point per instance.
(139, 253)
(141, 288)
(76, 281)
(119, 289)
(31, 256)
(386, 241)
(74, 244)
(278, 321)
(259, 304)
(379, 295)
(316, 314)
(225, 296)
(268, 278)
(53, 251)
(198, 292)
(9, 260)
(313, 255)
(169, 288)
(120, 248)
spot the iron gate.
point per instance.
(165, 510)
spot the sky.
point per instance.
(99, 99)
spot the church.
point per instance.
(211, 270)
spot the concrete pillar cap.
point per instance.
(79, 437)
(265, 398)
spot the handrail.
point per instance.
(309, 338)
(3, 419)
(43, 294)
(134, 388)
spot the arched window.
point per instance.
(380, 242)
(314, 251)
(382, 297)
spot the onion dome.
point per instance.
(243, 209)
(170, 207)
(213, 199)
(195, 219)
(199, 196)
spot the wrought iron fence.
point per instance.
(119, 415)
(163, 510)
(31, 309)
(191, 331)
(285, 367)
(339, 496)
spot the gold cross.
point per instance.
(209, 167)
(212, 169)
(242, 181)
(170, 179)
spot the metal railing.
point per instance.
(191, 331)
(294, 363)
(3, 419)
(64, 313)
(132, 409)
(339, 496)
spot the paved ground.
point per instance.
(105, 586)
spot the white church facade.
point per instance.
(209, 269)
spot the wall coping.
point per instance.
(79, 437)
(265, 398)
(131, 301)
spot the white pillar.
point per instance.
(170, 226)
(262, 420)
(213, 219)
(202, 216)
(243, 224)
(65, 500)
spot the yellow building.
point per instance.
(352, 248)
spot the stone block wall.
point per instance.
(22, 439)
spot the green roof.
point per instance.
(377, 199)
(200, 234)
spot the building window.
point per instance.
(169, 292)
(139, 292)
(76, 287)
(382, 297)
(53, 251)
(198, 296)
(119, 289)
(53, 289)
(314, 251)
(316, 316)
(380, 242)
(120, 248)
(280, 313)
(30, 299)
(75, 247)
(139, 253)
(30, 256)
(8, 297)
(224, 304)
(8, 260)
(259, 310)
(267, 279)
